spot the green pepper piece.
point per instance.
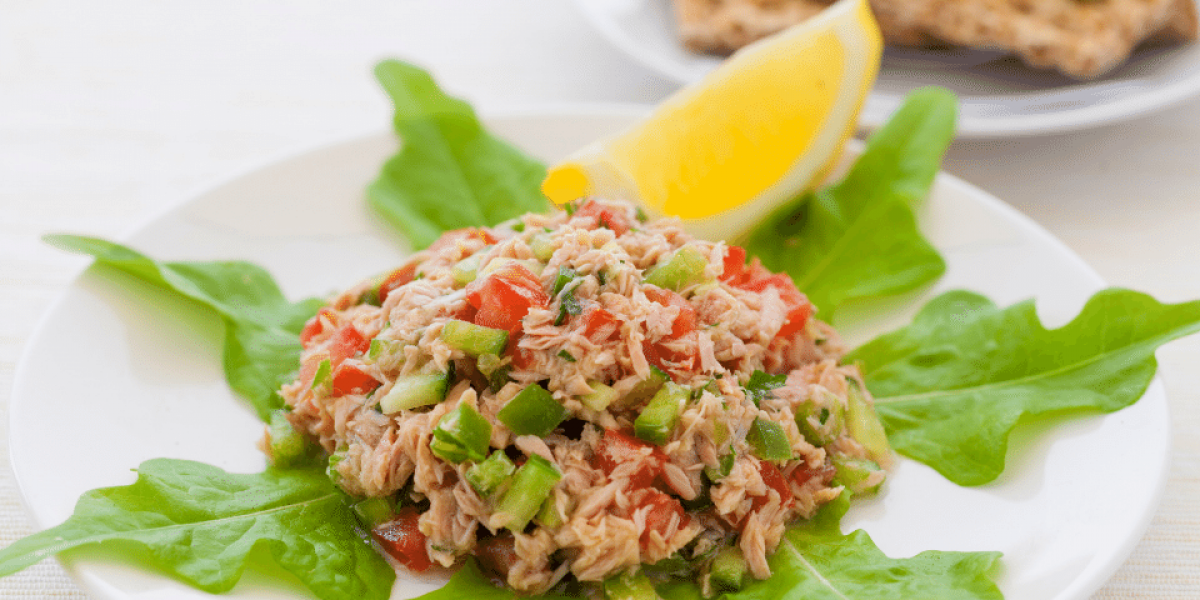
(856, 474)
(682, 268)
(647, 387)
(728, 570)
(412, 391)
(488, 475)
(864, 423)
(461, 434)
(821, 421)
(373, 511)
(531, 485)
(601, 396)
(533, 411)
(323, 376)
(629, 587)
(288, 446)
(660, 416)
(474, 340)
(768, 440)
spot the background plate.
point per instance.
(999, 96)
(118, 373)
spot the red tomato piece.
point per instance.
(505, 296)
(667, 359)
(659, 515)
(772, 476)
(799, 309)
(604, 216)
(734, 265)
(617, 448)
(398, 278)
(314, 326)
(599, 321)
(521, 358)
(685, 321)
(402, 539)
(346, 342)
(349, 379)
(802, 474)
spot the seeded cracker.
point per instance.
(1080, 38)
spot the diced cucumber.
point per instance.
(533, 411)
(657, 421)
(488, 475)
(864, 424)
(461, 434)
(629, 587)
(465, 270)
(601, 396)
(724, 467)
(287, 446)
(472, 339)
(381, 348)
(728, 570)
(531, 485)
(548, 515)
(373, 511)
(859, 475)
(542, 246)
(646, 388)
(682, 268)
(822, 420)
(493, 367)
(323, 376)
(411, 391)
(768, 440)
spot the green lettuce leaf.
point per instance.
(201, 524)
(951, 386)
(450, 172)
(816, 561)
(858, 238)
(262, 329)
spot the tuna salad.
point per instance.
(580, 396)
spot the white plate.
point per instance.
(999, 96)
(118, 373)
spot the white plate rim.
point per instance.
(1099, 569)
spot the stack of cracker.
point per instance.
(1082, 39)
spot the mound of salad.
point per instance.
(584, 403)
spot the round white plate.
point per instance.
(999, 96)
(118, 373)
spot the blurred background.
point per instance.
(113, 112)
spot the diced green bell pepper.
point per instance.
(768, 440)
(629, 587)
(461, 434)
(472, 339)
(657, 421)
(533, 411)
(531, 485)
(488, 475)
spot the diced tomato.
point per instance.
(349, 379)
(314, 326)
(451, 238)
(685, 322)
(398, 278)
(802, 474)
(799, 309)
(521, 358)
(772, 476)
(497, 554)
(597, 321)
(734, 265)
(617, 448)
(346, 342)
(667, 359)
(402, 539)
(466, 312)
(659, 515)
(505, 296)
(604, 216)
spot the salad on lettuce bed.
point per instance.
(935, 399)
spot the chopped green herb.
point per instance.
(760, 384)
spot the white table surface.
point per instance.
(112, 111)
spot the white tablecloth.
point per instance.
(111, 111)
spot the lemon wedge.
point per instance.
(764, 126)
